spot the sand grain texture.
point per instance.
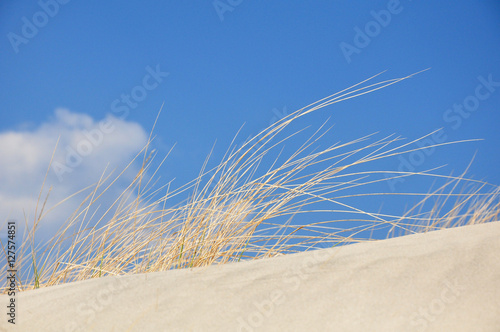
(446, 280)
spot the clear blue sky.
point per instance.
(235, 62)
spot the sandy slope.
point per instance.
(441, 281)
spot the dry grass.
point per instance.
(236, 212)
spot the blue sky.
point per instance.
(67, 66)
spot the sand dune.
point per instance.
(446, 280)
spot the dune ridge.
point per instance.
(446, 280)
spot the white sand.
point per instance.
(441, 281)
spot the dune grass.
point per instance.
(235, 211)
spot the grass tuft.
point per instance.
(238, 211)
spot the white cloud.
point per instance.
(85, 148)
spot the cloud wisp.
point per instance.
(26, 157)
